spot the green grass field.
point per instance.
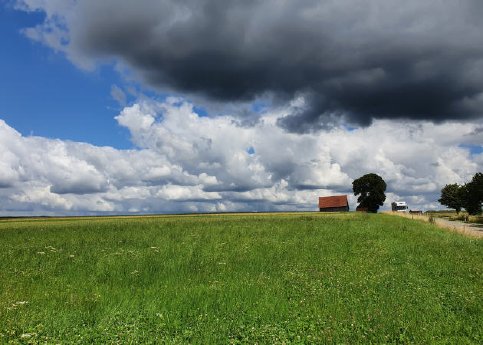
(294, 278)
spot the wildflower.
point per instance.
(16, 305)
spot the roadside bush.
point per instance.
(476, 219)
(461, 217)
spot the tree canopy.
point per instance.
(468, 196)
(452, 197)
(370, 188)
(473, 194)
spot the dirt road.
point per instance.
(469, 229)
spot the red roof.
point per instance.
(333, 201)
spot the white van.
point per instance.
(399, 206)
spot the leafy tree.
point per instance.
(452, 196)
(472, 194)
(370, 188)
(477, 186)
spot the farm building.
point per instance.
(336, 203)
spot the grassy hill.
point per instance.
(239, 279)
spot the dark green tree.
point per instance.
(472, 194)
(477, 186)
(452, 196)
(370, 188)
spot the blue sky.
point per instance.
(42, 93)
(234, 107)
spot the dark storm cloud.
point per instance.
(357, 60)
(77, 187)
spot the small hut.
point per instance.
(336, 203)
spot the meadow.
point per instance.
(273, 278)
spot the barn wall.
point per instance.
(335, 209)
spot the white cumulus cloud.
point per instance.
(184, 162)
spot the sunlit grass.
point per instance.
(239, 278)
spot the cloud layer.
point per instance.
(351, 60)
(184, 162)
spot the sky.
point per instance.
(163, 106)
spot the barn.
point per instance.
(336, 203)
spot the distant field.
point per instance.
(442, 213)
(462, 216)
(273, 278)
